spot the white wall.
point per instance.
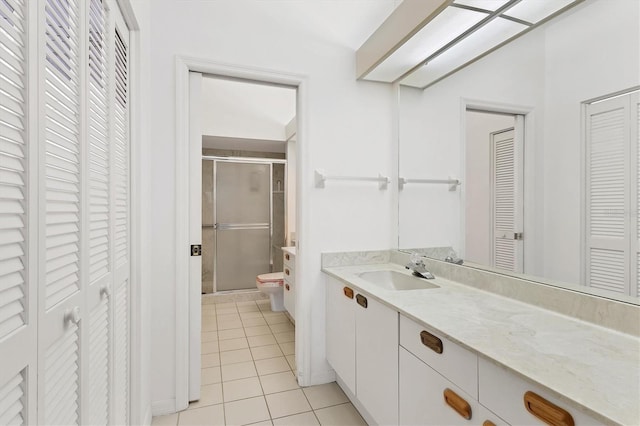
(590, 51)
(478, 202)
(348, 131)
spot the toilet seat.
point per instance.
(275, 279)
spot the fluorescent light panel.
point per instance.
(491, 5)
(535, 11)
(444, 28)
(484, 39)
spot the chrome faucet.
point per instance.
(417, 266)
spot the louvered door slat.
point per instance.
(61, 382)
(121, 353)
(12, 401)
(504, 192)
(12, 172)
(99, 361)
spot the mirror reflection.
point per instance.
(543, 135)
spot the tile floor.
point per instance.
(248, 376)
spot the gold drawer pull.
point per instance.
(431, 341)
(286, 271)
(362, 301)
(348, 292)
(286, 256)
(287, 287)
(456, 402)
(547, 411)
(488, 423)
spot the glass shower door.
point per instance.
(242, 223)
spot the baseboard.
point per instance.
(166, 406)
(321, 378)
(146, 420)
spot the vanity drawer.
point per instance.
(504, 393)
(427, 398)
(450, 359)
(289, 260)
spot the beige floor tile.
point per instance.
(285, 337)
(288, 348)
(287, 403)
(282, 327)
(326, 395)
(210, 360)
(234, 357)
(264, 340)
(241, 370)
(209, 326)
(241, 389)
(276, 319)
(264, 352)
(259, 330)
(209, 395)
(227, 311)
(304, 419)
(278, 382)
(264, 423)
(210, 375)
(248, 307)
(252, 314)
(246, 411)
(226, 305)
(234, 333)
(227, 325)
(252, 322)
(340, 415)
(228, 317)
(233, 344)
(168, 420)
(211, 415)
(209, 336)
(291, 359)
(209, 347)
(271, 365)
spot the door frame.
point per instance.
(533, 156)
(187, 297)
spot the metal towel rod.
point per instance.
(321, 177)
(452, 182)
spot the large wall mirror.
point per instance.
(543, 136)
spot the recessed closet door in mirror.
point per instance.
(549, 76)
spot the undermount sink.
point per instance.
(394, 280)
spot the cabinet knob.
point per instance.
(456, 402)
(348, 292)
(286, 271)
(105, 290)
(286, 256)
(488, 423)
(362, 301)
(286, 286)
(546, 410)
(431, 341)
(72, 315)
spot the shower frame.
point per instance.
(244, 160)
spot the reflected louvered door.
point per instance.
(18, 305)
(61, 299)
(608, 190)
(507, 247)
(121, 218)
(636, 250)
(97, 348)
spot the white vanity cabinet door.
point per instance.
(503, 392)
(456, 363)
(377, 359)
(341, 331)
(422, 399)
(288, 272)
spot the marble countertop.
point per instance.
(290, 250)
(593, 367)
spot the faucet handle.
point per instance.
(414, 258)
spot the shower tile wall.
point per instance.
(208, 246)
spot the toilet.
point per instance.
(272, 284)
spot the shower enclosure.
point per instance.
(238, 221)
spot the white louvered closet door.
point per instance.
(121, 223)
(18, 304)
(97, 339)
(611, 186)
(61, 298)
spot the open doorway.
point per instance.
(494, 170)
(243, 211)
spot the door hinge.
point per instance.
(196, 249)
(518, 236)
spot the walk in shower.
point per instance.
(242, 221)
